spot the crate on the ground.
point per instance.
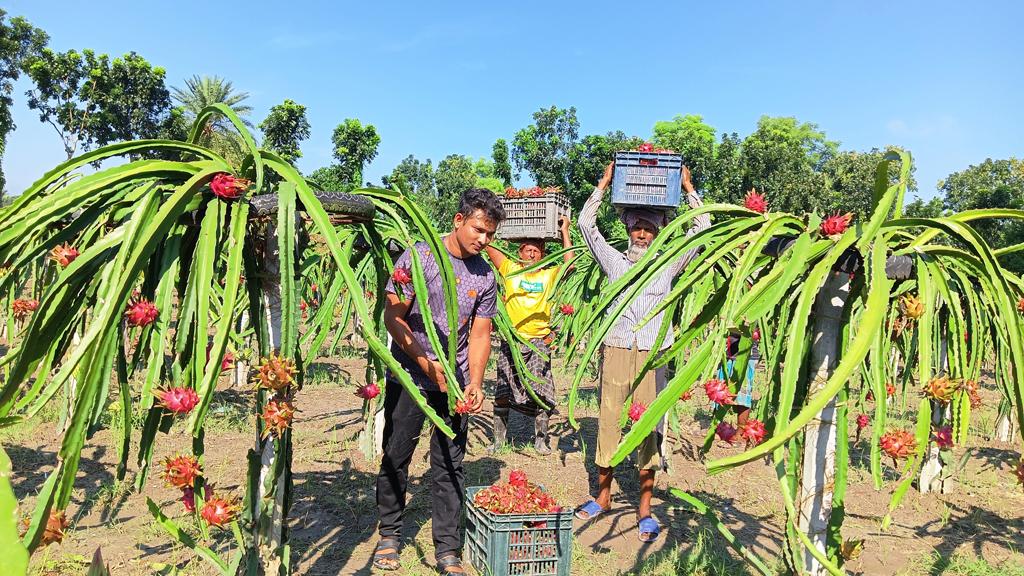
(533, 218)
(517, 544)
(647, 179)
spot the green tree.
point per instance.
(849, 179)
(454, 175)
(921, 209)
(218, 133)
(413, 177)
(502, 166)
(725, 179)
(484, 168)
(693, 138)
(330, 178)
(588, 159)
(284, 128)
(543, 148)
(783, 159)
(19, 41)
(354, 146)
(90, 100)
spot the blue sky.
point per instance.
(943, 79)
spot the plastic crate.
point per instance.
(533, 218)
(517, 544)
(647, 179)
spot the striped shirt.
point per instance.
(615, 264)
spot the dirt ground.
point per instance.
(334, 515)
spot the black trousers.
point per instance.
(403, 424)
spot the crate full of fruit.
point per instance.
(647, 177)
(533, 213)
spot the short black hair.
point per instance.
(484, 200)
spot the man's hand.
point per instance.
(606, 179)
(436, 375)
(563, 224)
(687, 183)
(475, 398)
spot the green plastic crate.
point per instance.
(517, 544)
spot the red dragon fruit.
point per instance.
(755, 335)
(637, 410)
(718, 392)
(64, 254)
(943, 438)
(401, 276)
(22, 307)
(141, 312)
(890, 389)
(862, 422)
(517, 478)
(836, 224)
(276, 372)
(277, 417)
(218, 511)
(368, 391)
(686, 395)
(462, 407)
(227, 187)
(755, 201)
(181, 471)
(179, 400)
(567, 309)
(725, 431)
(753, 431)
(898, 444)
(645, 147)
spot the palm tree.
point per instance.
(218, 134)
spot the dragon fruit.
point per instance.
(636, 410)
(973, 393)
(56, 526)
(401, 276)
(276, 372)
(64, 254)
(277, 417)
(462, 407)
(1020, 305)
(218, 511)
(862, 422)
(22, 307)
(755, 201)
(188, 498)
(725, 431)
(181, 471)
(517, 496)
(517, 478)
(890, 389)
(898, 444)
(836, 224)
(755, 335)
(753, 431)
(141, 312)
(368, 391)
(912, 307)
(567, 309)
(943, 438)
(686, 395)
(227, 187)
(179, 400)
(939, 389)
(718, 392)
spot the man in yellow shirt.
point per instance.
(527, 300)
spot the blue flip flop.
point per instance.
(650, 527)
(591, 508)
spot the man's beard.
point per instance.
(634, 252)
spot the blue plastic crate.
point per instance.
(517, 544)
(647, 179)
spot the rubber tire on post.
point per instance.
(359, 208)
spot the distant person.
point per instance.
(528, 301)
(474, 225)
(626, 348)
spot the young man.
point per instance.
(625, 348)
(528, 303)
(474, 224)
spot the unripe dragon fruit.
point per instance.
(401, 276)
(64, 254)
(636, 410)
(898, 444)
(179, 400)
(218, 511)
(836, 224)
(943, 438)
(718, 392)
(181, 471)
(912, 307)
(276, 373)
(368, 391)
(753, 431)
(755, 201)
(277, 417)
(725, 431)
(227, 187)
(940, 389)
(141, 312)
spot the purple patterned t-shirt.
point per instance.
(477, 292)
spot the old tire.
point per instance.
(352, 207)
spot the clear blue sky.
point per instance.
(943, 79)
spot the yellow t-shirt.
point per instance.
(528, 298)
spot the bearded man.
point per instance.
(625, 349)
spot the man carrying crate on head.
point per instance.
(528, 303)
(626, 348)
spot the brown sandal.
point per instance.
(384, 560)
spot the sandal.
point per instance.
(446, 563)
(384, 560)
(591, 509)
(650, 527)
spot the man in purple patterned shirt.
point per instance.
(474, 225)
